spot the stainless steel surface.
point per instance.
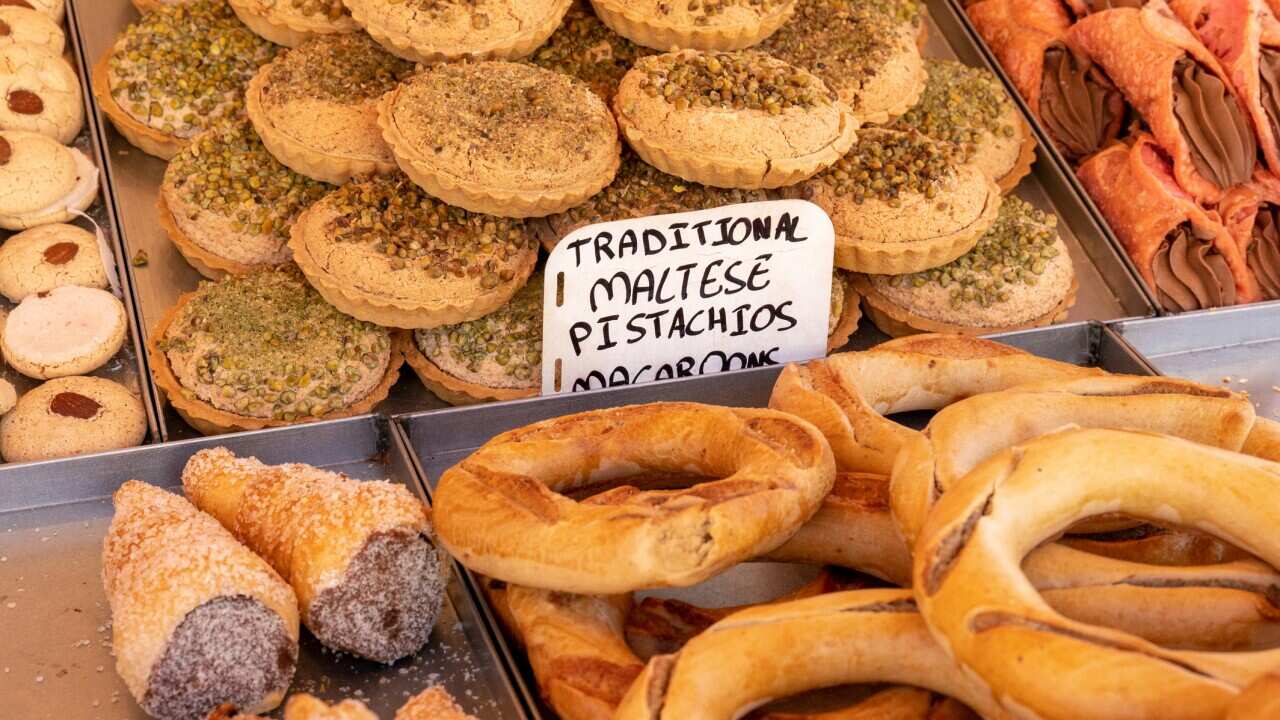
(439, 439)
(1237, 348)
(56, 661)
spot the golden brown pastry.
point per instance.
(434, 703)
(699, 26)
(428, 31)
(308, 707)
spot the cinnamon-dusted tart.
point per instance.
(293, 22)
(743, 119)
(496, 357)
(263, 349)
(316, 107)
(385, 251)
(431, 31)
(901, 202)
(865, 50)
(227, 204)
(1019, 275)
(502, 138)
(970, 108)
(177, 71)
(587, 49)
(40, 93)
(695, 24)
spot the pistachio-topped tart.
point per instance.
(177, 71)
(970, 108)
(316, 107)
(293, 22)
(263, 349)
(587, 49)
(227, 204)
(496, 357)
(842, 323)
(739, 120)
(865, 50)
(431, 31)
(901, 202)
(503, 138)
(1019, 275)
(695, 24)
(387, 252)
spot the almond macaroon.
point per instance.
(384, 251)
(48, 257)
(25, 26)
(69, 330)
(293, 22)
(696, 24)
(316, 107)
(901, 202)
(431, 31)
(502, 138)
(72, 416)
(42, 181)
(41, 93)
(54, 9)
(743, 119)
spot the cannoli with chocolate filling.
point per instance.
(1252, 213)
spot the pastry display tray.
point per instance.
(1235, 347)
(56, 626)
(442, 438)
(1107, 290)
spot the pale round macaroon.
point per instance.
(431, 31)
(54, 9)
(72, 416)
(695, 24)
(66, 331)
(41, 93)
(507, 139)
(48, 257)
(293, 22)
(739, 120)
(24, 26)
(8, 396)
(316, 107)
(42, 181)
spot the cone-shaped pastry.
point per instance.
(370, 579)
(197, 620)
(1181, 91)
(1074, 99)
(1184, 253)
(1252, 213)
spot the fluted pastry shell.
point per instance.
(286, 28)
(376, 17)
(144, 137)
(850, 313)
(896, 321)
(206, 263)
(455, 390)
(645, 28)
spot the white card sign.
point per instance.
(693, 293)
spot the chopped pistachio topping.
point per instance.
(229, 172)
(1015, 251)
(844, 42)
(400, 220)
(511, 337)
(265, 344)
(436, 8)
(704, 12)
(588, 50)
(183, 67)
(331, 9)
(343, 67)
(887, 164)
(739, 80)
(959, 105)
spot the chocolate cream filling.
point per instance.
(1263, 255)
(1189, 272)
(1269, 82)
(1075, 101)
(1222, 146)
(1100, 5)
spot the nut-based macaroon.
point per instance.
(901, 202)
(587, 49)
(42, 181)
(72, 416)
(865, 50)
(385, 251)
(1019, 275)
(264, 349)
(24, 26)
(742, 119)
(48, 257)
(70, 330)
(41, 93)
(55, 9)
(227, 204)
(695, 24)
(293, 22)
(502, 138)
(177, 71)
(970, 108)
(316, 107)
(431, 31)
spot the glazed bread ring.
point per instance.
(1260, 700)
(992, 620)
(847, 395)
(500, 511)
(1154, 545)
(933, 461)
(752, 657)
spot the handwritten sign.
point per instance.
(687, 294)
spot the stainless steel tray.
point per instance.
(127, 367)
(1235, 347)
(439, 439)
(56, 660)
